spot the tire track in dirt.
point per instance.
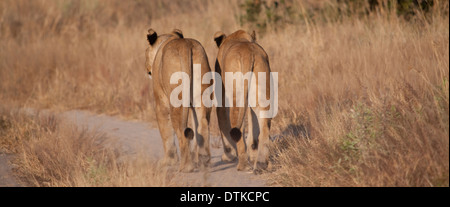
(139, 139)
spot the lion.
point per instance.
(167, 54)
(239, 52)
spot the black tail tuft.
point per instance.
(235, 134)
(188, 133)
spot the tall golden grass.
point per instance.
(363, 100)
(366, 103)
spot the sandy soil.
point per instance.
(140, 139)
(134, 139)
(6, 175)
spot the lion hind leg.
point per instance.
(262, 160)
(167, 135)
(202, 136)
(177, 117)
(252, 137)
(229, 147)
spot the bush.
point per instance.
(261, 15)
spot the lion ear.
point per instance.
(253, 35)
(218, 38)
(178, 32)
(152, 36)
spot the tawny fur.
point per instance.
(167, 54)
(239, 52)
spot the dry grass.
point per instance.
(370, 107)
(371, 93)
(51, 152)
(89, 54)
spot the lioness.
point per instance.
(167, 54)
(238, 52)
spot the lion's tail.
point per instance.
(237, 114)
(188, 132)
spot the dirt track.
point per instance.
(6, 177)
(139, 138)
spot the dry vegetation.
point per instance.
(51, 152)
(364, 100)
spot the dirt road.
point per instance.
(135, 138)
(6, 176)
(139, 139)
